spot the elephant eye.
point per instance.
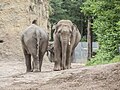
(59, 31)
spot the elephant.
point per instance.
(50, 52)
(34, 43)
(66, 38)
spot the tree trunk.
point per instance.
(89, 38)
(81, 25)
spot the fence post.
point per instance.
(89, 39)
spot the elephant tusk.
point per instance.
(69, 42)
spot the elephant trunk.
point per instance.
(64, 51)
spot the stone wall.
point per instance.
(15, 16)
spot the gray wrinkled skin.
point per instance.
(34, 42)
(66, 38)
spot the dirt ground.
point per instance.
(80, 77)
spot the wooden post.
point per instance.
(89, 38)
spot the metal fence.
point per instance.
(81, 51)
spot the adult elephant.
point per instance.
(66, 38)
(34, 42)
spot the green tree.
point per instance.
(106, 25)
(68, 9)
(57, 12)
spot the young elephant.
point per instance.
(66, 38)
(50, 52)
(35, 42)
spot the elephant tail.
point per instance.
(22, 41)
(38, 42)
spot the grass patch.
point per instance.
(115, 59)
(93, 62)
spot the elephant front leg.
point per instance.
(57, 55)
(68, 64)
(57, 61)
(68, 61)
(57, 66)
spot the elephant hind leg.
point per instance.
(27, 60)
(35, 63)
(40, 61)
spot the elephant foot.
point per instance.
(29, 70)
(36, 70)
(57, 69)
(63, 68)
(69, 67)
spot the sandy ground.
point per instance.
(102, 77)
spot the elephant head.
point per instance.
(64, 29)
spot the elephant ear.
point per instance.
(74, 28)
(57, 30)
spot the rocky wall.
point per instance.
(15, 16)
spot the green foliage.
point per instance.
(65, 9)
(57, 11)
(115, 59)
(68, 9)
(106, 25)
(100, 61)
